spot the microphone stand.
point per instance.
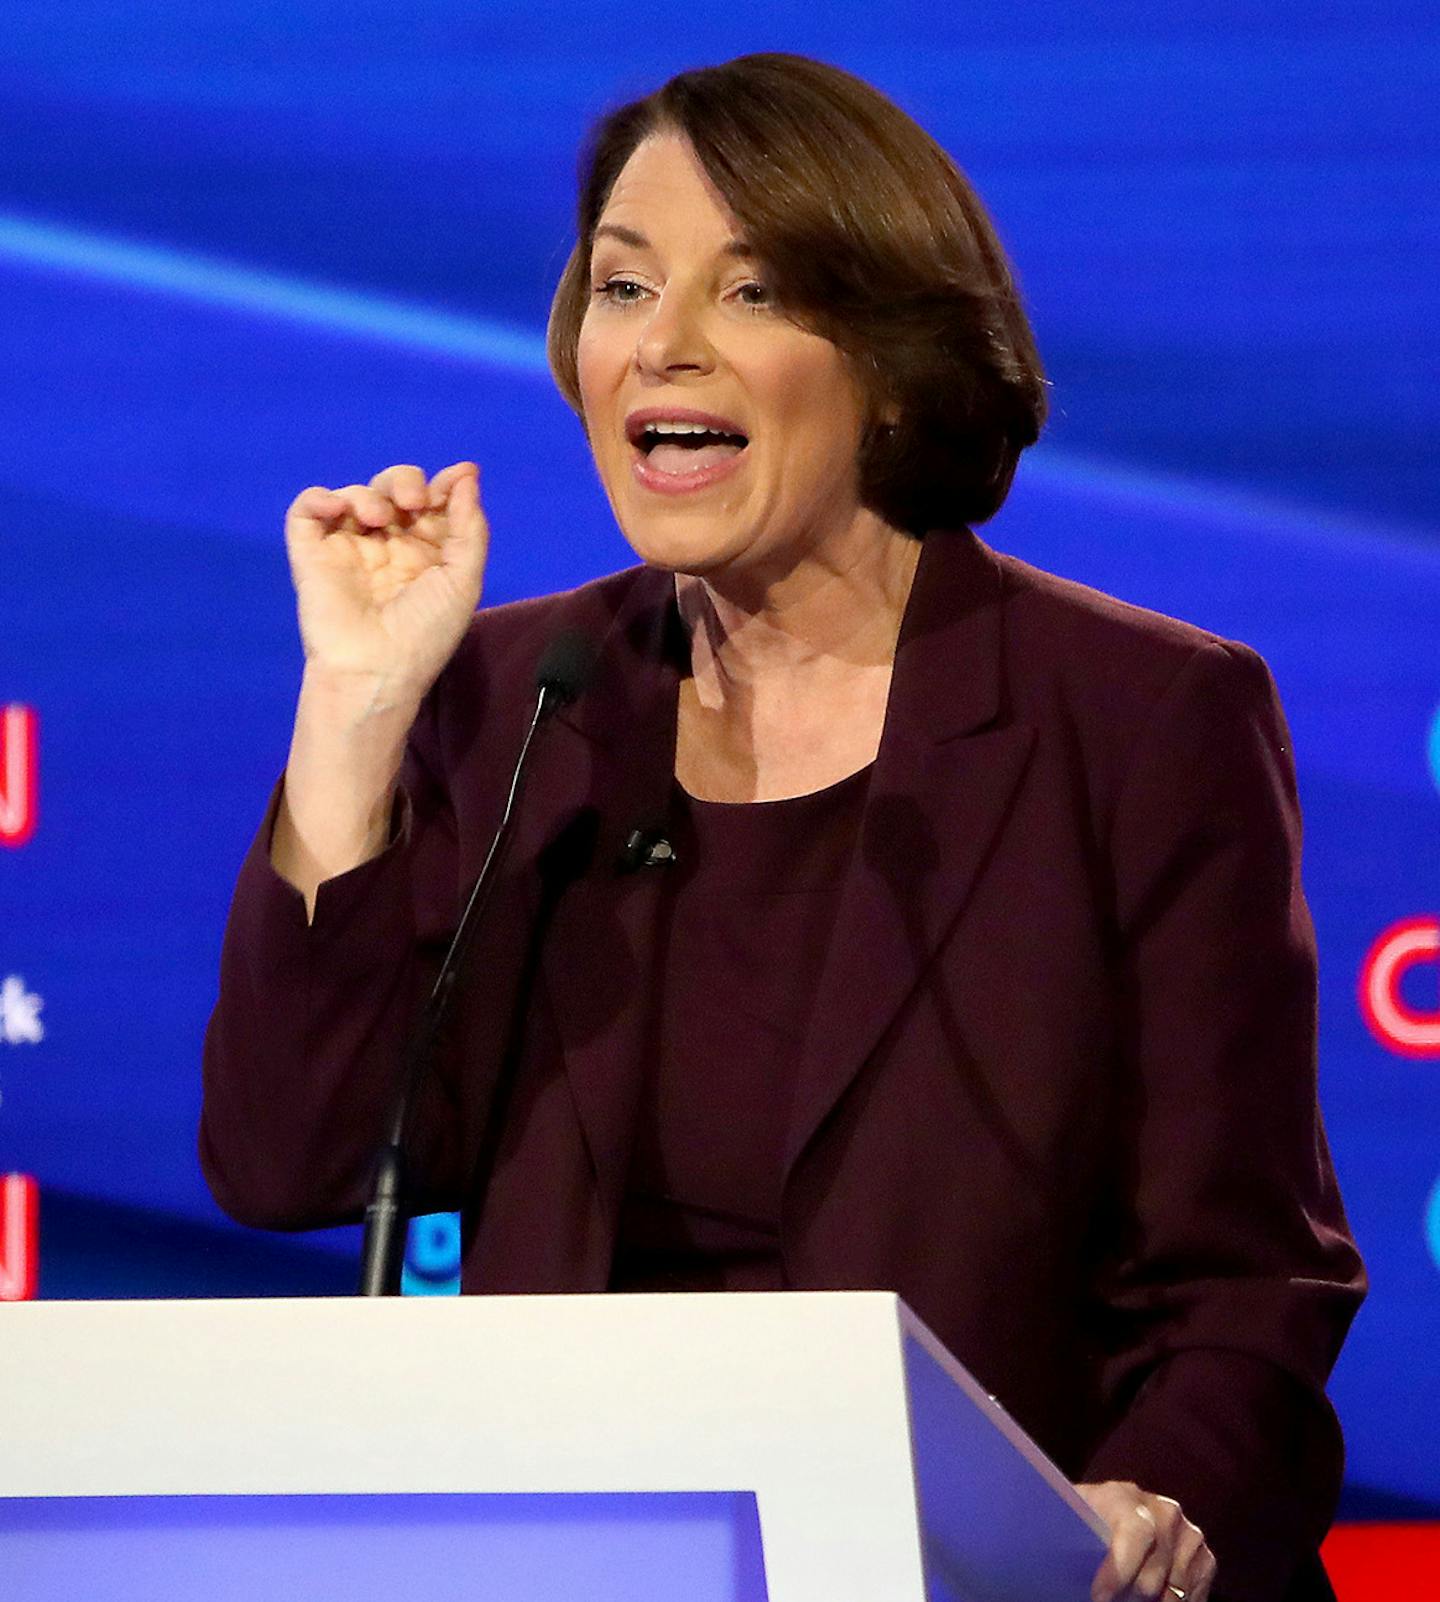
(382, 1252)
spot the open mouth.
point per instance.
(676, 447)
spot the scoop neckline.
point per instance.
(777, 801)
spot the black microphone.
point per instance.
(562, 674)
(564, 670)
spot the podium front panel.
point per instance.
(704, 1547)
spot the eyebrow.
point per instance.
(638, 241)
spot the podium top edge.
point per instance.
(761, 1303)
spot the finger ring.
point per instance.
(1176, 1592)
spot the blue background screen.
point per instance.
(245, 248)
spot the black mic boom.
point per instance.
(562, 673)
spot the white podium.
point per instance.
(799, 1447)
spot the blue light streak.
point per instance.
(1310, 528)
(207, 280)
(163, 270)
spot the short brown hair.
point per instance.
(874, 240)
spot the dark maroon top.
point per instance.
(746, 926)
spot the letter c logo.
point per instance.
(1393, 1021)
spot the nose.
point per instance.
(673, 338)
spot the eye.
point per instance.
(755, 295)
(619, 291)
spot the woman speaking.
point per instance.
(885, 914)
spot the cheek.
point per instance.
(585, 370)
(812, 394)
(597, 368)
(597, 417)
(821, 414)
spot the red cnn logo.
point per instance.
(1393, 1021)
(19, 1238)
(19, 772)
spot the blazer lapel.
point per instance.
(948, 766)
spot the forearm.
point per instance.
(340, 780)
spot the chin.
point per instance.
(682, 544)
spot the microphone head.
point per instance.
(564, 668)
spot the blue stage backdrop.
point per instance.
(244, 248)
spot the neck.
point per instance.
(839, 611)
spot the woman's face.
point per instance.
(682, 333)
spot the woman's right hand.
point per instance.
(387, 575)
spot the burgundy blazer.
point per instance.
(1059, 1091)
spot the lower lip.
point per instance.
(684, 483)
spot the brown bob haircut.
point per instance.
(871, 237)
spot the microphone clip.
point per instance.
(646, 848)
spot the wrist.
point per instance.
(350, 700)
(346, 751)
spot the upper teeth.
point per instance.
(680, 428)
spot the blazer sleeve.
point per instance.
(302, 1051)
(1235, 1279)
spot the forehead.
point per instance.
(663, 187)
